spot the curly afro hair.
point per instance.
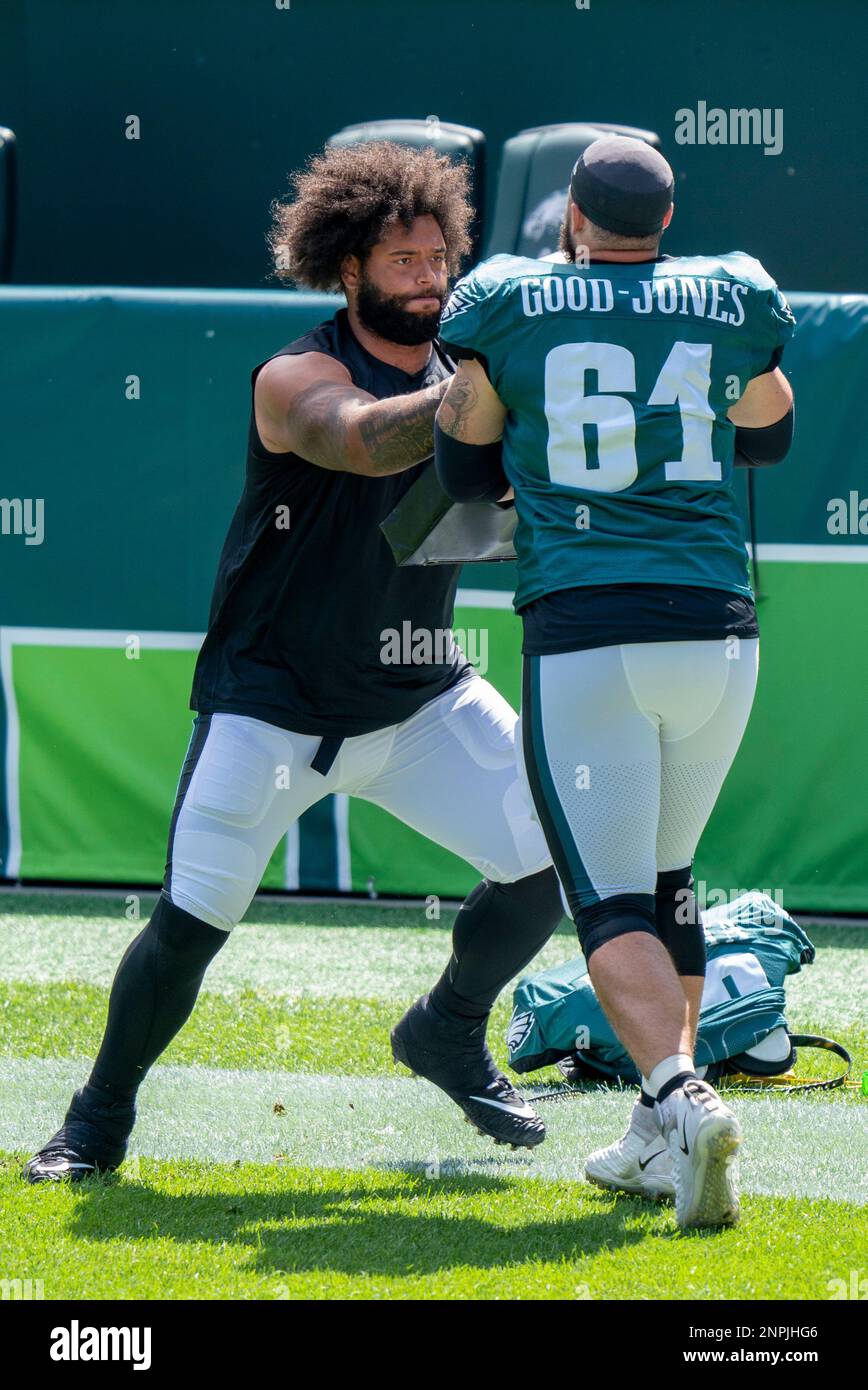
(349, 197)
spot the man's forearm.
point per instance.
(342, 428)
(398, 432)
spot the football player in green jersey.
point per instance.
(611, 390)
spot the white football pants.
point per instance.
(625, 749)
(449, 771)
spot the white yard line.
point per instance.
(792, 1148)
(285, 962)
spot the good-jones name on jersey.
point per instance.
(696, 297)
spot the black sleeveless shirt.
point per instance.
(311, 626)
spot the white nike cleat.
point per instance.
(640, 1163)
(703, 1137)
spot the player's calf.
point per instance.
(152, 996)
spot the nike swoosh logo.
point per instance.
(644, 1165)
(62, 1163)
(522, 1112)
(683, 1144)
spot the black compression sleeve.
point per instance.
(759, 448)
(774, 361)
(153, 994)
(497, 932)
(469, 472)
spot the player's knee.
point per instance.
(609, 918)
(537, 894)
(206, 908)
(521, 850)
(182, 936)
(213, 877)
(679, 924)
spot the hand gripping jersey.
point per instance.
(617, 379)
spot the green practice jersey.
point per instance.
(617, 379)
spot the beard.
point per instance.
(385, 315)
(565, 243)
(575, 252)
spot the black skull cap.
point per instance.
(623, 185)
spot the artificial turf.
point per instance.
(279, 1155)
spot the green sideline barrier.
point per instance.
(125, 412)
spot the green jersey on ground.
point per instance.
(752, 946)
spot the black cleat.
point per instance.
(452, 1054)
(92, 1139)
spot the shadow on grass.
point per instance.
(415, 1226)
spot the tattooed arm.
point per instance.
(472, 411)
(309, 406)
(467, 433)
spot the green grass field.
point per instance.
(279, 1155)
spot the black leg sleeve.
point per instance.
(620, 915)
(679, 924)
(152, 996)
(498, 930)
